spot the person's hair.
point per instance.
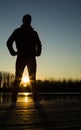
(27, 19)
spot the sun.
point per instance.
(25, 80)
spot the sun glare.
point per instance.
(25, 80)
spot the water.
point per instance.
(22, 97)
(57, 97)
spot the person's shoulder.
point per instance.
(17, 30)
(34, 31)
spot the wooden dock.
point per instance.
(49, 115)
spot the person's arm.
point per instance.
(10, 42)
(38, 46)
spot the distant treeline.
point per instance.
(59, 86)
(6, 79)
(45, 86)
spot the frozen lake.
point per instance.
(57, 97)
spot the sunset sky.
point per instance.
(58, 23)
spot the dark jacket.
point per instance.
(27, 42)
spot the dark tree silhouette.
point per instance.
(6, 79)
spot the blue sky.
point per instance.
(58, 23)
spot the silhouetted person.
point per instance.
(28, 47)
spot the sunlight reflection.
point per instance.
(26, 97)
(26, 94)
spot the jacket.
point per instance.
(27, 42)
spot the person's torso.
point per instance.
(25, 42)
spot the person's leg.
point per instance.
(18, 75)
(32, 76)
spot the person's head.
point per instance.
(27, 19)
